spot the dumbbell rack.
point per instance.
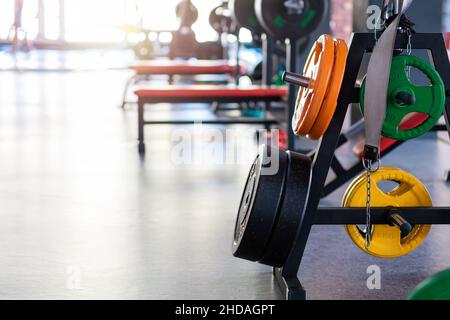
(361, 43)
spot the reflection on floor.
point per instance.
(64, 61)
(83, 217)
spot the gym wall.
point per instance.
(341, 19)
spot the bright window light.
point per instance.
(104, 20)
(6, 17)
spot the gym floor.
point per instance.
(78, 200)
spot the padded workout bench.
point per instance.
(205, 94)
(184, 68)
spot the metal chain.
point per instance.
(370, 169)
(409, 50)
(380, 22)
(368, 231)
(409, 45)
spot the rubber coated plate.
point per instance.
(318, 68)
(436, 287)
(260, 203)
(428, 100)
(408, 192)
(243, 13)
(329, 104)
(290, 19)
(291, 210)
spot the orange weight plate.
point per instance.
(329, 104)
(318, 69)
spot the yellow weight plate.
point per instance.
(318, 69)
(386, 240)
(351, 186)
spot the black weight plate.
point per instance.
(243, 13)
(215, 20)
(291, 19)
(182, 44)
(303, 45)
(220, 20)
(291, 210)
(186, 13)
(259, 205)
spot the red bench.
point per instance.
(205, 94)
(177, 67)
(194, 67)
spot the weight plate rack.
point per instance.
(322, 159)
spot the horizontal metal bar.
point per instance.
(341, 216)
(200, 99)
(296, 79)
(217, 121)
(439, 127)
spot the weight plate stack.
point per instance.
(271, 206)
(290, 19)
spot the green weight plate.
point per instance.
(436, 287)
(290, 19)
(405, 98)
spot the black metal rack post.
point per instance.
(292, 49)
(267, 49)
(287, 276)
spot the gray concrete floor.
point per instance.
(82, 216)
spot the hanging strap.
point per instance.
(377, 82)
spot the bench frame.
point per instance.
(267, 121)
